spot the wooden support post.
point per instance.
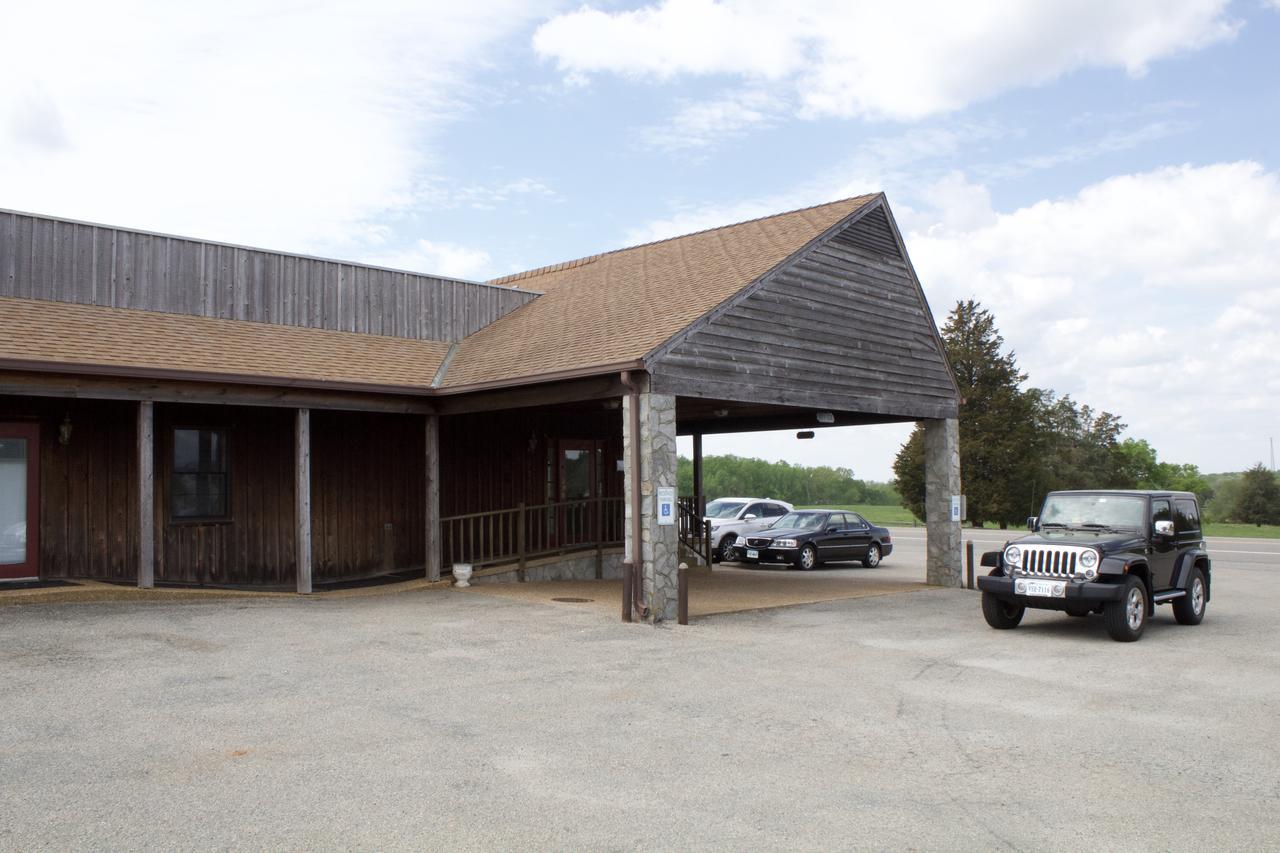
(682, 595)
(627, 571)
(302, 497)
(599, 505)
(146, 495)
(699, 499)
(521, 539)
(968, 558)
(432, 435)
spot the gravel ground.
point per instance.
(441, 719)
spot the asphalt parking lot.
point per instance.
(439, 719)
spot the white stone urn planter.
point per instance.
(462, 574)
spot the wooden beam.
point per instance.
(550, 393)
(432, 435)
(302, 493)
(146, 495)
(800, 420)
(172, 391)
(699, 505)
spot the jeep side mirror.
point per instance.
(751, 516)
(1032, 522)
(1164, 528)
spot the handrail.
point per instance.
(695, 533)
(518, 534)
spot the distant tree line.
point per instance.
(797, 484)
(1017, 444)
(1251, 497)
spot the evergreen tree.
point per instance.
(1258, 501)
(998, 424)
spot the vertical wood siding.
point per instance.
(88, 493)
(844, 326)
(45, 258)
(368, 499)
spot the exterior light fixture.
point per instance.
(826, 418)
(721, 413)
(64, 431)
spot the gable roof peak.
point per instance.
(508, 280)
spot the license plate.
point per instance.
(753, 554)
(1048, 589)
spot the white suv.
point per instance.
(732, 516)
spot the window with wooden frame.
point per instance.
(198, 487)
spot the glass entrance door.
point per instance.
(19, 501)
(576, 516)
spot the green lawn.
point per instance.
(900, 516)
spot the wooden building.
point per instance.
(186, 412)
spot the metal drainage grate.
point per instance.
(574, 600)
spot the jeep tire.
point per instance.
(1127, 618)
(1001, 614)
(1189, 609)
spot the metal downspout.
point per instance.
(637, 545)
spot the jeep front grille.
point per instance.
(1051, 561)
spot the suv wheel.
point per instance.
(1127, 618)
(1189, 609)
(999, 613)
(873, 556)
(723, 546)
(808, 558)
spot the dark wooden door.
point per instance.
(19, 501)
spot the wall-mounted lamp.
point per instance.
(64, 431)
(612, 403)
(533, 441)
(826, 418)
(721, 413)
(805, 434)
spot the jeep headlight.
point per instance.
(784, 543)
(1013, 556)
(1089, 561)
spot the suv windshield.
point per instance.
(800, 521)
(724, 509)
(1093, 511)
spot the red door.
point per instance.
(19, 501)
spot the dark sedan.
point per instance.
(807, 538)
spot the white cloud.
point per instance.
(1153, 295)
(291, 127)
(903, 60)
(701, 125)
(446, 259)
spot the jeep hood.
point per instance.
(1106, 541)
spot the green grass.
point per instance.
(894, 515)
(900, 516)
(1243, 531)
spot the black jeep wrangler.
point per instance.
(1118, 553)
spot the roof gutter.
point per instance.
(637, 550)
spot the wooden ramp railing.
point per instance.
(695, 534)
(524, 533)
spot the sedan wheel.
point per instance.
(873, 556)
(808, 557)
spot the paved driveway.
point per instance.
(438, 719)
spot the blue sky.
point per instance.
(1102, 176)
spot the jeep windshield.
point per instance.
(724, 509)
(1094, 513)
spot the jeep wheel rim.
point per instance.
(1135, 609)
(1197, 596)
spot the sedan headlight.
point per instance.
(784, 543)
(1013, 556)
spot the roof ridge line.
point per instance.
(588, 259)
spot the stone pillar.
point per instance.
(659, 550)
(944, 566)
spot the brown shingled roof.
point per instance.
(617, 307)
(60, 333)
